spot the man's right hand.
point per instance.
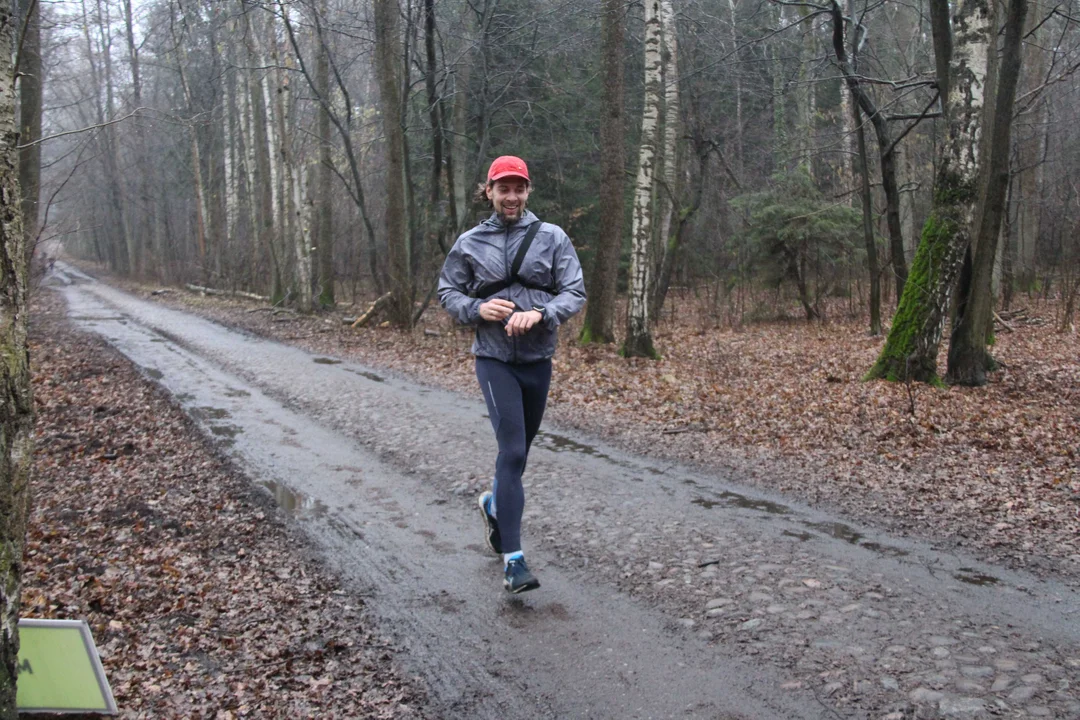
(496, 310)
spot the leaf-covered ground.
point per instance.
(782, 405)
(201, 600)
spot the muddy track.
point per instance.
(668, 592)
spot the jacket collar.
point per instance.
(527, 219)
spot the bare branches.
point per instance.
(89, 128)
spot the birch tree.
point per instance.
(960, 49)
(969, 360)
(16, 403)
(639, 341)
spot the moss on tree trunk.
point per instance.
(911, 349)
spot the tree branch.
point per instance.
(130, 115)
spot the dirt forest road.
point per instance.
(666, 592)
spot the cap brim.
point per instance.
(509, 173)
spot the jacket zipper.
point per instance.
(506, 264)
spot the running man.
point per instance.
(516, 279)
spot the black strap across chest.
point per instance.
(485, 291)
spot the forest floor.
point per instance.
(140, 527)
(782, 405)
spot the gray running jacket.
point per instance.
(483, 256)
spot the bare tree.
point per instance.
(600, 312)
(388, 53)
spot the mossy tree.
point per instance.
(961, 49)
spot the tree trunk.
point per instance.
(1031, 147)
(669, 166)
(142, 227)
(30, 77)
(16, 409)
(848, 61)
(738, 138)
(911, 349)
(388, 50)
(868, 224)
(599, 324)
(638, 333)
(324, 235)
(969, 360)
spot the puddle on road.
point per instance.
(211, 413)
(327, 361)
(974, 577)
(96, 318)
(884, 549)
(294, 503)
(730, 499)
(561, 443)
(152, 373)
(364, 373)
(800, 536)
(226, 431)
(849, 535)
(837, 530)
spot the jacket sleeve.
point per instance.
(569, 283)
(454, 288)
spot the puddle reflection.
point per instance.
(295, 503)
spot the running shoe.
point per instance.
(491, 525)
(517, 577)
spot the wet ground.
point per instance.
(666, 592)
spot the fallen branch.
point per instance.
(1005, 324)
(235, 293)
(374, 308)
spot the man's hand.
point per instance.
(496, 310)
(522, 322)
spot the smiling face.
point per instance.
(508, 195)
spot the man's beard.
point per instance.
(505, 219)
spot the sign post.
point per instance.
(59, 669)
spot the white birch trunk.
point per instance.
(846, 178)
(231, 151)
(247, 136)
(738, 97)
(671, 120)
(638, 336)
(302, 235)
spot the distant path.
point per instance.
(666, 593)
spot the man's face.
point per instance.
(508, 195)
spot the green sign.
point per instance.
(59, 669)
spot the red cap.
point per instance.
(508, 166)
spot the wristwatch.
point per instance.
(539, 309)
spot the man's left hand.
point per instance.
(522, 322)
